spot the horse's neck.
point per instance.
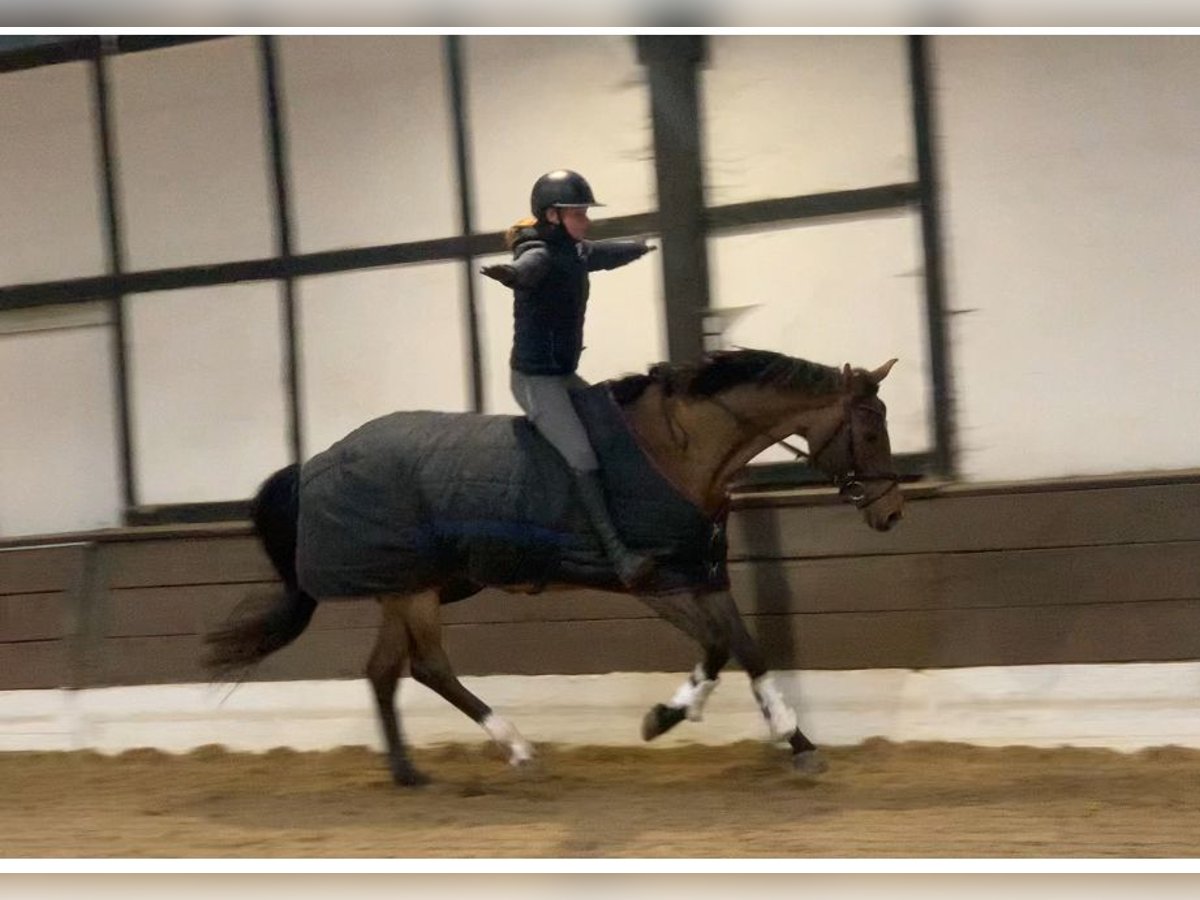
(700, 445)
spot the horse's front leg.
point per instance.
(682, 611)
(719, 608)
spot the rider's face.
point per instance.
(574, 219)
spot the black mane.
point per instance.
(725, 369)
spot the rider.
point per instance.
(549, 278)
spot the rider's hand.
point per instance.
(503, 273)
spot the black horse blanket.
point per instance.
(412, 498)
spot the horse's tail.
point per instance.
(265, 623)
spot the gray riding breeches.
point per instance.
(548, 406)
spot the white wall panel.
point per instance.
(1071, 190)
(370, 140)
(1125, 707)
(192, 154)
(833, 293)
(51, 214)
(59, 462)
(378, 341)
(542, 103)
(207, 392)
(786, 115)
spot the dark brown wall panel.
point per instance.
(176, 658)
(493, 606)
(26, 617)
(1128, 572)
(39, 569)
(1101, 574)
(519, 648)
(30, 665)
(132, 612)
(570, 648)
(1081, 633)
(199, 608)
(1077, 633)
(187, 562)
(959, 521)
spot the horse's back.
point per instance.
(382, 510)
(410, 497)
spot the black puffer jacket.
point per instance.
(551, 291)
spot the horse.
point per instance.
(695, 425)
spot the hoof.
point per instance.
(523, 759)
(408, 776)
(660, 720)
(529, 769)
(809, 762)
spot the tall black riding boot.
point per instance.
(633, 570)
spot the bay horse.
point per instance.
(698, 425)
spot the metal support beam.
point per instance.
(462, 155)
(283, 234)
(671, 64)
(945, 461)
(49, 51)
(116, 265)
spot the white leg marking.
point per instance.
(506, 735)
(779, 715)
(693, 694)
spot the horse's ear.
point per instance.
(847, 375)
(882, 372)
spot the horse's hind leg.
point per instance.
(383, 670)
(682, 611)
(431, 667)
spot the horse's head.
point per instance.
(856, 452)
(705, 421)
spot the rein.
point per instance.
(762, 432)
(849, 483)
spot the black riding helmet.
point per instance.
(562, 187)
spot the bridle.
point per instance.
(851, 484)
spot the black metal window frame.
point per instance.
(683, 221)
